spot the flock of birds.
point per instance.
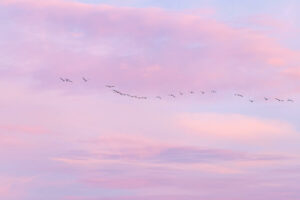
(112, 87)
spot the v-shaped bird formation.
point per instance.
(118, 92)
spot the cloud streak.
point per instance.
(79, 140)
(148, 46)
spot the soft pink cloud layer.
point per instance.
(143, 49)
(235, 127)
(88, 143)
(62, 141)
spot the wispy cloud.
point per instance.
(80, 141)
(149, 46)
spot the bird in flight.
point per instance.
(279, 100)
(84, 79)
(192, 92)
(109, 86)
(63, 80)
(120, 93)
(290, 100)
(180, 93)
(172, 95)
(238, 95)
(266, 99)
(68, 80)
(251, 100)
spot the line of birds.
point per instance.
(67, 80)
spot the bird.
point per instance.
(172, 95)
(84, 79)
(192, 92)
(238, 95)
(278, 99)
(251, 100)
(120, 93)
(266, 99)
(63, 80)
(290, 100)
(109, 86)
(68, 80)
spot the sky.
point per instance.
(81, 140)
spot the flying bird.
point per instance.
(68, 80)
(251, 100)
(290, 100)
(238, 95)
(109, 86)
(120, 93)
(266, 99)
(172, 95)
(63, 80)
(84, 79)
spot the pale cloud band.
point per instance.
(80, 141)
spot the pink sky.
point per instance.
(81, 141)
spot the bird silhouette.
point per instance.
(238, 95)
(251, 100)
(118, 92)
(63, 80)
(266, 99)
(172, 95)
(109, 86)
(84, 79)
(290, 100)
(68, 80)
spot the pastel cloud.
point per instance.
(236, 127)
(91, 144)
(79, 141)
(12, 187)
(23, 129)
(148, 46)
